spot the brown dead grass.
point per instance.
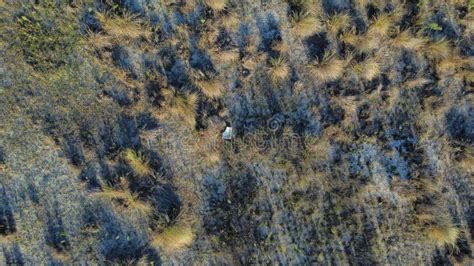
(329, 69)
(382, 24)
(181, 105)
(216, 5)
(138, 162)
(337, 22)
(437, 50)
(174, 238)
(407, 41)
(279, 69)
(305, 24)
(368, 69)
(124, 27)
(129, 202)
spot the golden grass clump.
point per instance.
(188, 6)
(438, 50)
(123, 27)
(451, 65)
(318, 150)
(461, 3)
(368, 43)
(329, 69)
(211, 88)
(208, 38)
(138, 162)
(415, 83)
(216, 5)
(230, 21)
(304, 24)
(407, 41)
(368, 69)
(279, 69)
(362, 3)
(349, 37)
(280, 47)
(467, 162)
(98, 41)
(125, 200)
(337, 22)
(226, 57)
(207, 144)
(181, 105)
(468, 23)
(442, 232)
(385, 22)
(363, 43)
(174, 238)
(417, 188)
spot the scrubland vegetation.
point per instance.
(352, 132)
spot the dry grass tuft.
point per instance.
(437, 50)
(318, 150)
(407, 41)
(467, 162)
(98, 40)
(368, 43)
(385, 22)
(305, 24)
(188, 6)
(125, 200)
(368, 70)
(208, 143)
(279, 69)
(329, 69)
(138, 162)
(174, 238)
(230, 21)
(181, 105)
(280, 47)
(415, 83)
(349, 37)
(211, 88)
(468, 23)
(226, 57)
(123, 27)
(216, 5)
(208, 38)
(8, 238)
(363, 43)
(443, 232)
(337, 22)
(451, 65)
